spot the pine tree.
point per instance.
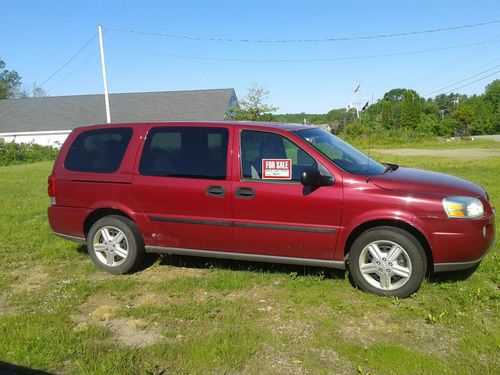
(387, 115)
(410, 110)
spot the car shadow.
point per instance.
(242, 265)
(230, 264)
(277, 268)
(11, 369)
(452, 276)
(82, 249)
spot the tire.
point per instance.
(115, 244)
(387, 261)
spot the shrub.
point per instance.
(361, 136)
(14, 153)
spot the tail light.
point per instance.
(51, 189)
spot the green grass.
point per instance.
(60, 314)
(429, 143)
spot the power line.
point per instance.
(470, 83)
(74, 71)
(463, 80)
(69, 60)
(452, 65)
(343, 58)
(331, 39)
(62, 67)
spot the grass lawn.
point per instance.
(431, 143)
(186, 315)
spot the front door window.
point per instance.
(269, 156)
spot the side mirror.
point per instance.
(313, 178)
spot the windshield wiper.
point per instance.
(389, 167)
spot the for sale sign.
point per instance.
(277, 169)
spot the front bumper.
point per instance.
(476, 243)
(459, 266)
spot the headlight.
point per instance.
(463, 207)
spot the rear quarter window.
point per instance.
(98, 151)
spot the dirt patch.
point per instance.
(29, 279)
(97, 308)
(459, 153)
(98, 275)
(378, 327)
(271, 361)
(132, 333)
(101, 311)
(329, 358)
(295, 331)
(165, 273)
(151, 299)
(5, 308)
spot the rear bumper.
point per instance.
(67, 222)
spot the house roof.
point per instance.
(69, 112)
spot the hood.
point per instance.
(418, 180)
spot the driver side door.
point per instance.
(280, 216)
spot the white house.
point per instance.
(47, 121)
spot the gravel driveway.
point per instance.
(459, 153)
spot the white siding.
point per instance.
(44, 138)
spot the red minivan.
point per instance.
(281, 193)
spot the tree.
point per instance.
(410, 110)
(449, 102)
(36, 92)
(395, 99)
(10, 85)
(387, 115)
(395, 95)
(252, 106)
(10, 82)
(492, 94)
(462, 120)
(339, 118)
(484, 116)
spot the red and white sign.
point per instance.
(277, 169)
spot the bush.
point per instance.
(14, 153)
(362, 136)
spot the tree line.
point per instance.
(399, 110)
(11, 85)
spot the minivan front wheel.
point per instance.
(387, 261)
(115, 244)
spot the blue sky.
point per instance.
(38, 37)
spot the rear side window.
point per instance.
(187, 152)
(98, 151)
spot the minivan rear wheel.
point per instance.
(387, 261)
(115, 244)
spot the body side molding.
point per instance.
(250, 257)
(229, 223)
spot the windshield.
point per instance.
(341, 153)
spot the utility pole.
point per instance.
(105, 80)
